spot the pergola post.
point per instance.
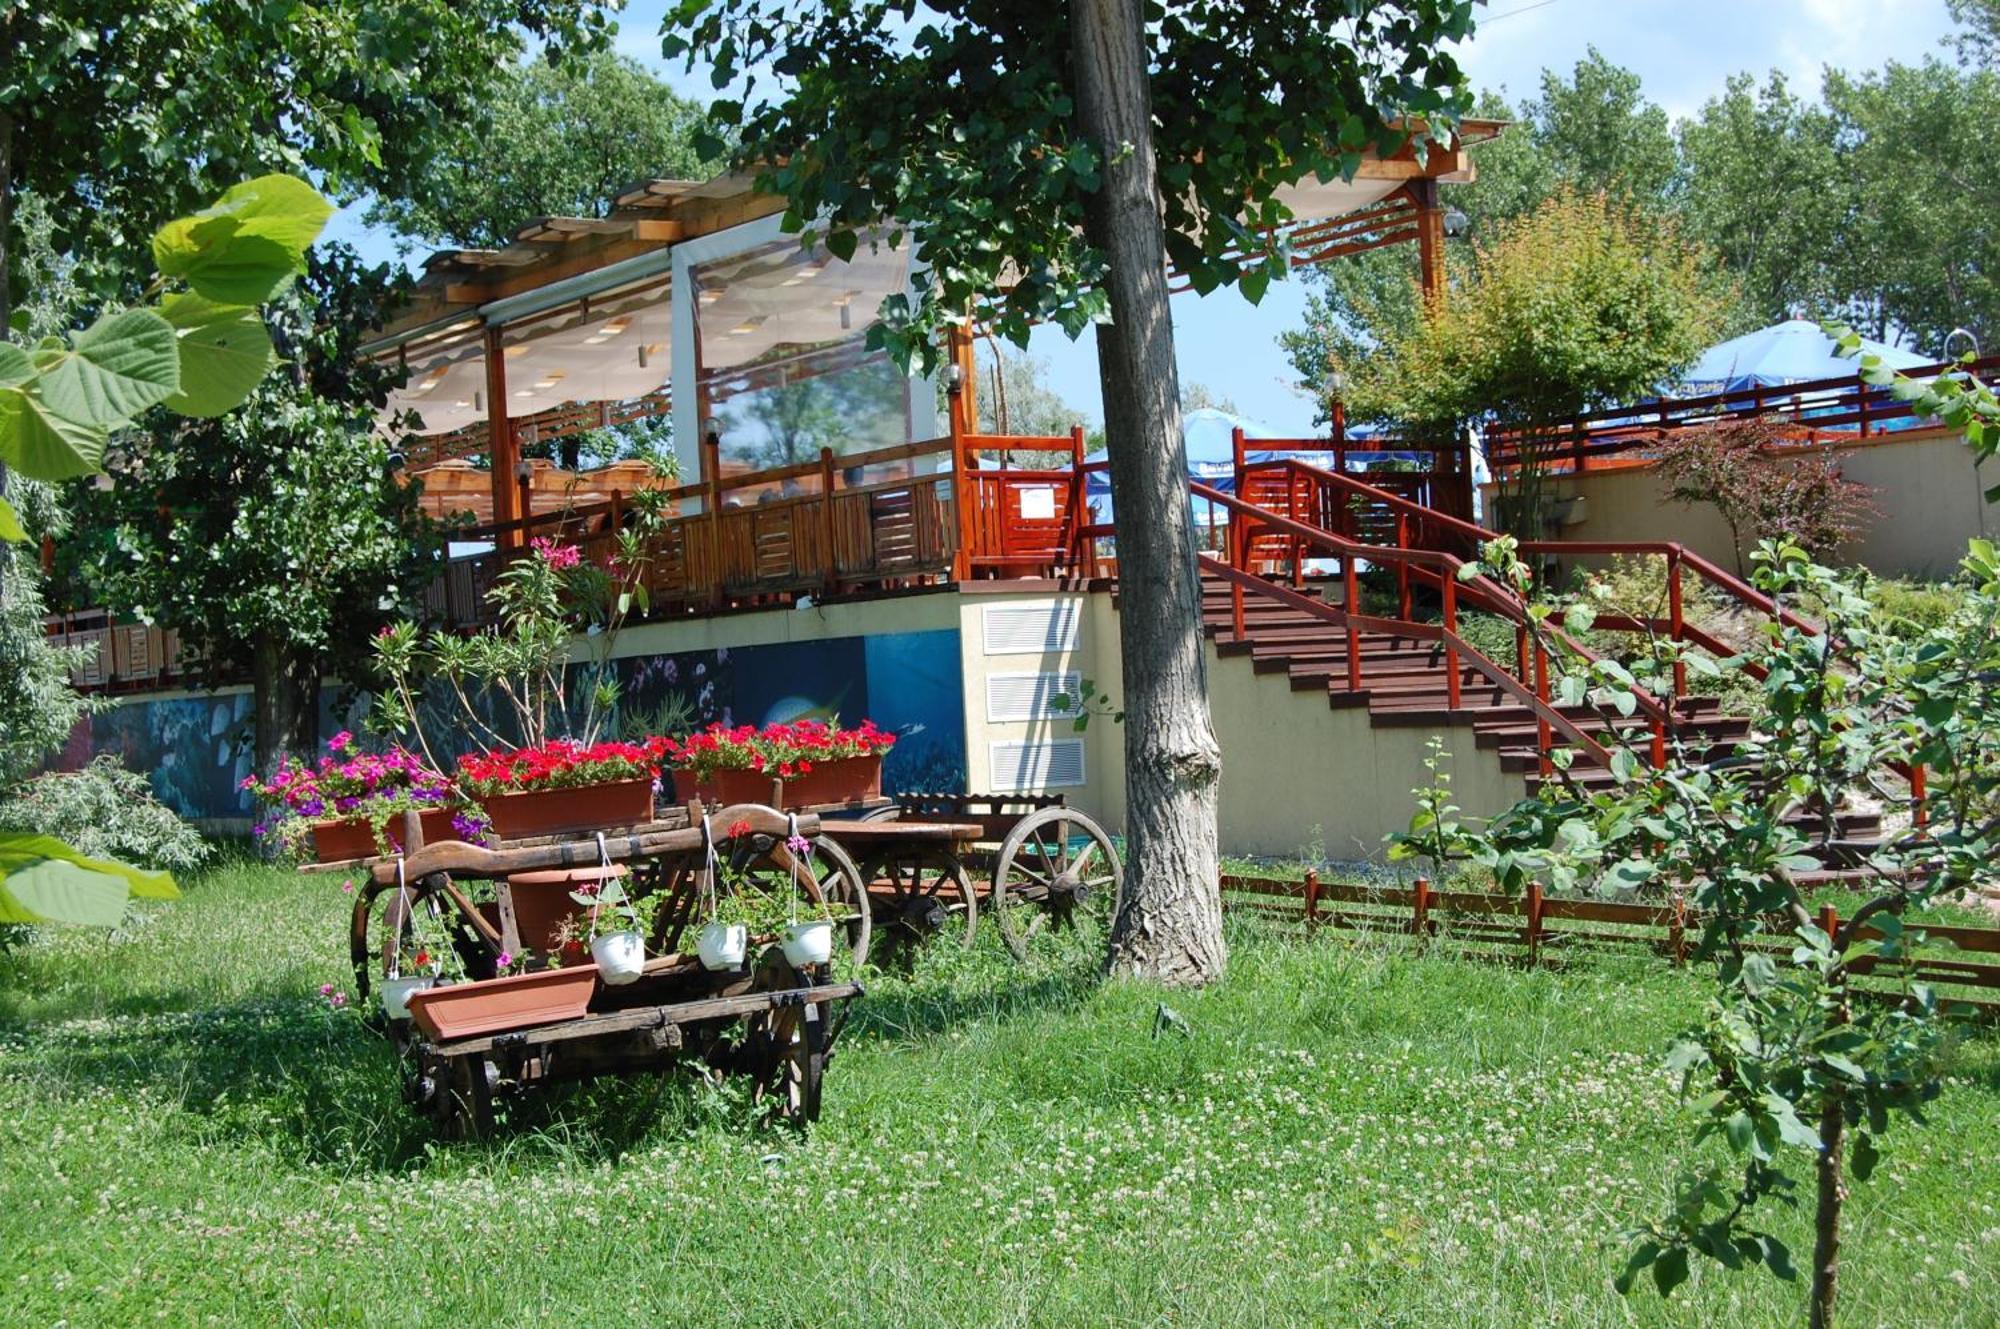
(503, 450)
(1430, 236)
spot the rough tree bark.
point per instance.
(285, 686)
(1832, 1197)
(1171, 927)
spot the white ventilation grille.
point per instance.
(1018, 767)
(1031, 696)
(1031, 629)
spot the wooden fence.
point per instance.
(1535, 927)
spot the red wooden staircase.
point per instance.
(1258, 606)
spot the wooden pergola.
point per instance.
(590, 305)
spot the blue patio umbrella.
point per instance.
(1795, 351)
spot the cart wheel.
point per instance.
(764, 863)
(788, 1049)
(380, 946)
(465, 1097)
(1057, 871)
(919, 894)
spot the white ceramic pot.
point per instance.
(809, 943)
(396, 993)
(620, 956)
(722, 945)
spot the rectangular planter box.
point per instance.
(334, 841)
(849, 780)
(467, 1010)
(557, 811)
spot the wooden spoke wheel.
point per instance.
(1057, 872)
(918, 893)
(787, 1050)
(824, 873)
(383, 940)
(455, 1092)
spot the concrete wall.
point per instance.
(1924, 482)
(1297, 775)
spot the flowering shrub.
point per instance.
(782, 749)
(562, 764)
(348, 783)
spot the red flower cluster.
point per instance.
(562, 764)
(785, 749)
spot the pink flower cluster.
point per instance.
(346, 778)
(557, 556)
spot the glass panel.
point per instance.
(784, 369)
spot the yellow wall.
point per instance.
(1295, 772)
(1923, 481)
(865, 618)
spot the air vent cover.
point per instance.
(1030, 696)
(1053, 764)
(1031, 629)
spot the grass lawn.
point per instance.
(1351, 1134)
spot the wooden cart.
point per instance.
(934, 863)
(769, 1021)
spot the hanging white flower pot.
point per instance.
(809, 943)
(620, 956)
(396, 993)
(722, 945)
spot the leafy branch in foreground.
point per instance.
(199, 352)
(1787, 1060)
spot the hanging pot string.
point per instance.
(403, 898)
(792, 853)
(603, 880)
(708, 890)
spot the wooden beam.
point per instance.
(504, 451)
(659, 230)
(1430, 237)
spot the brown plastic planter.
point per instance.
(541, 901)
(588, 807)
(467, 1010)
(849, 780)
(334, 841)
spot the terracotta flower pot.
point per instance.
(849, 780)
(355, 838)
(467, 1010)
(591, 807)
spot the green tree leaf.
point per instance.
(43, 445)
(225, 351)
(43, 880)
(1670, 1270)
(249, 245)
(117, 368)
(17, 367)
(10, 524)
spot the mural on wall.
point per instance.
(197, 748)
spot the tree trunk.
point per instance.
(1170, 929)
(286, 699)
(1832, 1196)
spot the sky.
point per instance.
(1683, 51)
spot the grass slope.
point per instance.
(1350, 1134)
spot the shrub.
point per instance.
(1763, 489)
(106, 811)
(1913, 608)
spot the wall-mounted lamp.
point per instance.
(1335, 387)
(954, 378)
(1456, 223)
(711, 434)
(524, 470)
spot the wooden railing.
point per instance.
(123, 656)
(1536, 926)
(1825, 409)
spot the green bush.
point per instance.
(106, 811)
(1913, 608)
